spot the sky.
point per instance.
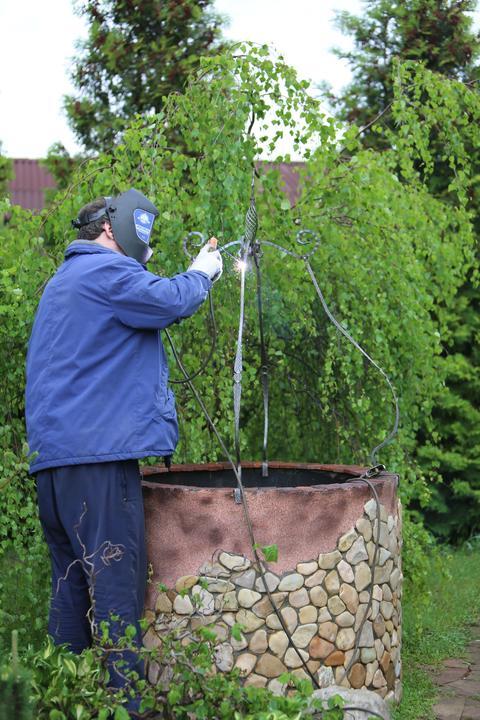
(38, 42)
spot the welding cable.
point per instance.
(213, 346)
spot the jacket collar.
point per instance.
(85, 247)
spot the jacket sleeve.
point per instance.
(141, 299)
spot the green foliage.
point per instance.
(64, 686)
(437, 33)
(134, 56)
(15, 700)
(6, 174)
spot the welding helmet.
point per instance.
(131, 216)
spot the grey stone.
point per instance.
(368, 655)
(185, 582)
(382, 574)
(264, 607)
(203, 601)
(327, 561)
(218, 585)
(386, 609)
(323, 615)
(383, 556)
(234, 562)
(366, 636)
(384, 538)
(345, 571)
(256, 681)
(371, 508)
(224, 657)
(213, 570)
(345, 619)
(394, 578)
(315, 579)
(369, 701)
(386, 593)
(259, 641)
(357, 552)
(276, 687)
(347, 540)
(245, 579)
(325, 676)
(230, 601)
(271, 580)
(377, 593)
(328, 631)
(379, 679)
(390, 523)
(290, 582)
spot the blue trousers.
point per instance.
(93, 522)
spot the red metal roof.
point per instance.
(31, 180)
(29, 184)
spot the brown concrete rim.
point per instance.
(352, 470)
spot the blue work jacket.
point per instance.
(97, 376)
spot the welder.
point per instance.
(97, 400)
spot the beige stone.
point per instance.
(386, 593)
(345, 619)
(332, 583)
(327, 561)
(292, 658)
(276, 687)
(385, 662)
(152, 639)
(230, 601)
(269, 666)
(345, 639)
(384, 538)
(379, 649)
(290, 582)
(289, 616)
(234, 562)
(371, 508)
(202, 620)
(371, 670)
(383, 556)
(221, 632)
(308, 614)
(264, 607)
(345, 571)
(323, 615)
(183, 605)
(340, 677)
(213, 570)
(299, 598)
(245, 663)
(379, 626)
(347, 540)
(363, 576)
(247, 598)
(271, 580)
(249, 620)
(395, 578)
(186, 582)
(303, 634)
(336, 605)
(255, 680)
(163, 603)
(364, 596)
(315, 579)
(387, 610)
(278, 643)
(328, 631)
(377, 593)
(239, 644)
(259, 641)
(318, 596)
(364, 527)
(307, 568)
(320, 648)
(379, 679)
(349, 596)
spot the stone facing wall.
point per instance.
(322, 601)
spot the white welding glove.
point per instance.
(208, 261)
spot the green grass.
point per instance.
(435, 626)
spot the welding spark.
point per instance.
(240, 265)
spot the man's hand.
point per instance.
(209, 261)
